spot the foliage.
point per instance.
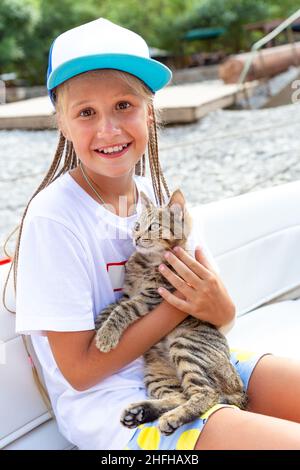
(16, 21)
(28, 27)
(55, 17)
(230, 14)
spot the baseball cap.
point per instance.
(102, 44)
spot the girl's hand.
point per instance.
(205, 296)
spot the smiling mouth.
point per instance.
(114, 153)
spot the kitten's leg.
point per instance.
(201, 357)
(126, 312)
(149, 410)
(101, 319)
(104, 314)
(203, 396)
(202, 399)
(163, 387)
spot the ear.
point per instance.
(177, 201)
(146, 201)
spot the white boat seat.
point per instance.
(255, 239)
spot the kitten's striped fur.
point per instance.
(188, 371)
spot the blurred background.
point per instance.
(27, 28)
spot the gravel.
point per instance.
(225, 154)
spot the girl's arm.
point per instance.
(204, 294)
(83, 365)
(200, 292)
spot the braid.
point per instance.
(63, 148)
(157, 176)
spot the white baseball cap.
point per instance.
(101, 44)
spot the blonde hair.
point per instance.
(66, 153)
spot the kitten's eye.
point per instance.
(137, 226)
(153, 227)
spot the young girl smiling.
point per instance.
(75, 239)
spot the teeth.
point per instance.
(117, 148)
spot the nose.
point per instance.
(108, 126)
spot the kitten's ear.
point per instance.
(146, 201)
(177, 201)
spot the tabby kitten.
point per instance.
(189, 370)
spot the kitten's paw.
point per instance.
(106, 339)
(168, 423)
(133, 416)
(139, 413)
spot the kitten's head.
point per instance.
(161, 228)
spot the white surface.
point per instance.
(255, 239)
(273, 328)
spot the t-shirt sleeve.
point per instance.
(54, 288)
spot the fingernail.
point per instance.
(167, 255)
(161, 267)
(177, 249)
(160, 290)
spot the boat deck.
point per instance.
(179, 104)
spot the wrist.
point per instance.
(228, 317)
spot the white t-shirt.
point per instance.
(71, 266)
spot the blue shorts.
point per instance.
(148, 437)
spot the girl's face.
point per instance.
(98, 113)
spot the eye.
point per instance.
(154, 226)
(137, 226)
(123, 105)
(86, 112)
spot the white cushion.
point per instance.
(255, 239)
(21, 406)
(273, 328)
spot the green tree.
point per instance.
(54, 18)
(17, 20)
(230, 14)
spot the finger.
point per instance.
(173, 300)
(176, 281)
(184, 271)
(203, 260)
(198, 268)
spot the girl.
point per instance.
(75, 239)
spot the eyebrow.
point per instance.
(79, 103)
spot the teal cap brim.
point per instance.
(153, 73)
